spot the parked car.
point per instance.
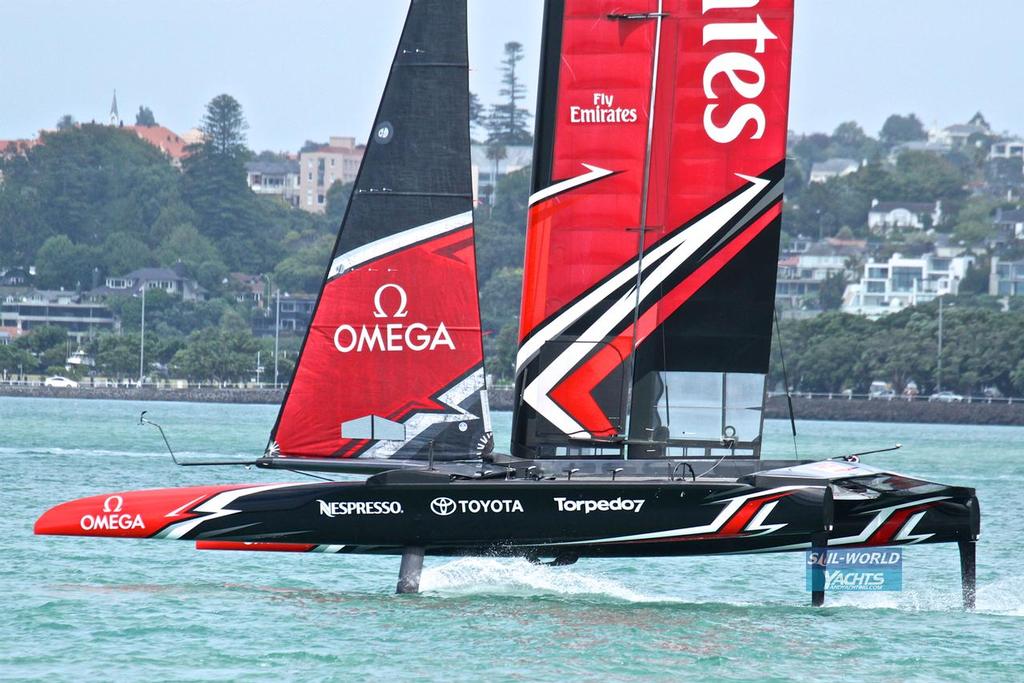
(991, 392)
(58, 381)
(880, 389)
(945, 397)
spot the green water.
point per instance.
(105, 609)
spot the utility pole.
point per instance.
(938, 373)
(277, 331)
(142, 338)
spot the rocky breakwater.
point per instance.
(195, 395)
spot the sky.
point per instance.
(308, 69)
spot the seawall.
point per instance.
(978, 412)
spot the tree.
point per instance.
(123, 252)
(304, 270)
(495, 152)
(850, 140)
(62, 263)
(508, 122)
(14, 360)
(499, 298)
(477, 118)
(66, 122)
(976, 278)
(118, 355)
(217, 354)
(224, 127)
(898, 129)
(145, 117)
(974, 222)
(311, 146)
(86, 183)
(830, 296)
(338, 195)
(184, 244)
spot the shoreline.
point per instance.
(828, 409)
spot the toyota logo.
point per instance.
(442, 506)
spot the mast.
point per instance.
(652, 239)
(392, 363)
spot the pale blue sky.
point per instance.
(308, 69)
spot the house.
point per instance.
(80, 315)
(15, 276)
(800, 276)
(1007, 149)
(338, 161)
(960, 134)
(1010, 222)
(487, 171)
(174, 147)
(248, 289)
(170, 280)
(12, 148)
(892, 285)
(278, 178)
(824, 171)
(8, 334)
(1006, 278)
(883, 216)
(295, 314)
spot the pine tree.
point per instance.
(508, 123)
(145, 117)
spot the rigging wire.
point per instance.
(309, 474)
(785, 379)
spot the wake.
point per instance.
(503, 576)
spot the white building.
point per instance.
(890, 286)
(279, 178)
(1007, 149)
(338, 161)
(884, 216)
(1006, 278)
(78, 314)
(800, 275)
(823, 171)
(167, 279)
(486, 171)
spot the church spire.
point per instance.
(114, 117)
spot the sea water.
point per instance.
(108, 609)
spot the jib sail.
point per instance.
(653, 227)
(392, 364)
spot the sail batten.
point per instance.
(649, 286)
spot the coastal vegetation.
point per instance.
(95, 201)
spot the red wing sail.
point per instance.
(392, 364)
(653, 229)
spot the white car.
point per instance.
(946, 397)
(58, 381)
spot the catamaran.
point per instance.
(646, 326)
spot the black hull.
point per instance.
(536, 518)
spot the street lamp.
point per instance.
(276, 293)
(938, 364)
(142, 337)
(277, 330)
